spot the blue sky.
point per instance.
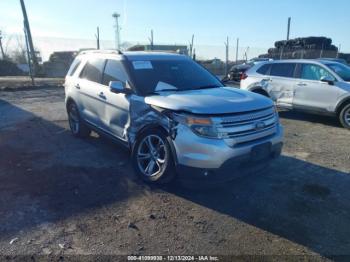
(257, 23)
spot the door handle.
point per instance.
(302, 84)
(77, 86)
(101, 95)
(267, 79)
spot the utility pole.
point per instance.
(321, 53)
(2, 49)
(29, 39)
(151, 40)
(98, 38)
(117, 30)
(227, 45)
(237, 50)
(30, 64)
(245, 57)
(338, 50)
(191, 47)
(288, 27)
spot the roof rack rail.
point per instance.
(95, 51)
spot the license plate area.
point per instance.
(261, 152)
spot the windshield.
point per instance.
(341, 70)
(170, 75)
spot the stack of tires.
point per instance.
(58, 64)
(306, 47)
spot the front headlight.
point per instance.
(201, 126)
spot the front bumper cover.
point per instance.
(231, 169)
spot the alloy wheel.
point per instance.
(151, 155)
(347, 116)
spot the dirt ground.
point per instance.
(65, 196)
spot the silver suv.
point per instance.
(173, 115)
(317, 86)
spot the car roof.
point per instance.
(136, 55)
(300, 61)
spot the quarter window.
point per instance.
(283, 69)
(114, 71)
(76, 63)
(264, 69)
(93, 70)
(314, 72)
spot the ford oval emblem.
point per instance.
(259, 126)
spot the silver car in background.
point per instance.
(172, 114)
(316, 86)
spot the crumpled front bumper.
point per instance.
(213, 159)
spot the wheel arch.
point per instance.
(158, 127)
(69, 100)
(259, 90)
(345, 101)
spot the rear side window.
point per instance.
(93, 70)
(114, 71)
(73, 68)
(264, 69)
(283, 69)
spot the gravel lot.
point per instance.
(62, 196)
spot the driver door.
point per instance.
(116, 113)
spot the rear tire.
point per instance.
(344, 116)
(152, 157)
(76, 124)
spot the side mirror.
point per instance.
(119, 87)
(327, 79)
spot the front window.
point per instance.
(314, 72)
(170, 75)
(341, 70)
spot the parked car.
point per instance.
(237, 71)
(317, 86)
(338, 60)
(172, 114)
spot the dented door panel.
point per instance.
(281, 91)
(116, 114)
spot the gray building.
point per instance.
(181, 49)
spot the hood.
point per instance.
(210, 101)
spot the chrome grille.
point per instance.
(247, 127)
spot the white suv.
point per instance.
(318, 86)
(172, 114)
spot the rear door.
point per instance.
(281, 83)
(116, 113)
(310, 92)
(91, 91)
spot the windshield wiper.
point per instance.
(156, 92)
(208, 87)
(166, 90)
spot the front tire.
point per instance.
(152, 157)
(344, 116)
(76, 124)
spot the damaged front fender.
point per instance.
(143, 115)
